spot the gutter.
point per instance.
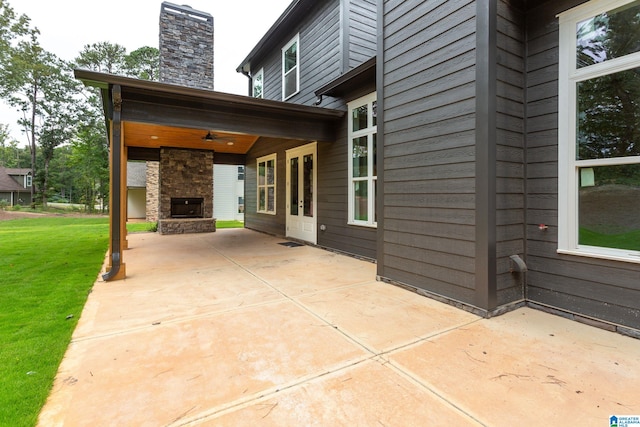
(116, 181)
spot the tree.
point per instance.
(40, 86)
(11, 156)
(143, 63)
(90, 159)
(11, 27)
(103, 57)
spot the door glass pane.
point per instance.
(360, 201)
(360, 157)
(295, 177)
(359, 119)
(609, 203)
(610, 35)
(608, 116)
(308, 185)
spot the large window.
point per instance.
(291, 68)
(599, 130)
(267, 184)
(362, 161)
(258, 84)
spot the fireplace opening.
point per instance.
(187, 207)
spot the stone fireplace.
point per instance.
(187, 207)
(186, 191)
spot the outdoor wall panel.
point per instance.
(333, 182)
(362, 31)
(592, 287)
(510, 155)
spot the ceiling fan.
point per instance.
(212, 137)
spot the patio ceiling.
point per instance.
(145, 135)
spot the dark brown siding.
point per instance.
(333, 184)
(272, 224)
(601, 289)
(429, 137)
(321, 62)
(362, 31)
(510, 199)
(320, 57)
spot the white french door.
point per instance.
(301, 193)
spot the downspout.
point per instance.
(250, 86)
(116, 173)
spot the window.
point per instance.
(258, 84)
(291, 68)
(599, 130)
(240, 204)
(29, 181)
(362, 161)
(267, 184)
(240, 173)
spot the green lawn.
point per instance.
(137, 227)
(229, 224)
(47, 268)
(629, 240)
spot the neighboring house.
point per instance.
(136, 190)
(15, 186)
(228, 192)
(483, 153)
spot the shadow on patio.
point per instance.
(233, 328)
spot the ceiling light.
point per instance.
(208, 137)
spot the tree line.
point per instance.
(62, 120)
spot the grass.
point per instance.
(629, 240)
(229, 224)
(47, 268)
(138, 227)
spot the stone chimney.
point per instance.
(186, 46)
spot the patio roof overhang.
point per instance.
(158, 115)
(144, 116)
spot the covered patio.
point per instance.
(242, 328)
(190, 130)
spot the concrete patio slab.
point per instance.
(382, 317)
(232, 328)
(531, 367)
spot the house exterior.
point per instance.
(481, 152)
(473, 177)
(228, 192)
(15, 186)
(136, 190)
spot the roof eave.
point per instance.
(278, 31)
(364, 73)
(103, 81)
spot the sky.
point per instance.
(66, 26)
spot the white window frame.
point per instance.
(28, 181)
(296, 69)
(265, 159)
(568, 166)
(371, 180)
(258, 75)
